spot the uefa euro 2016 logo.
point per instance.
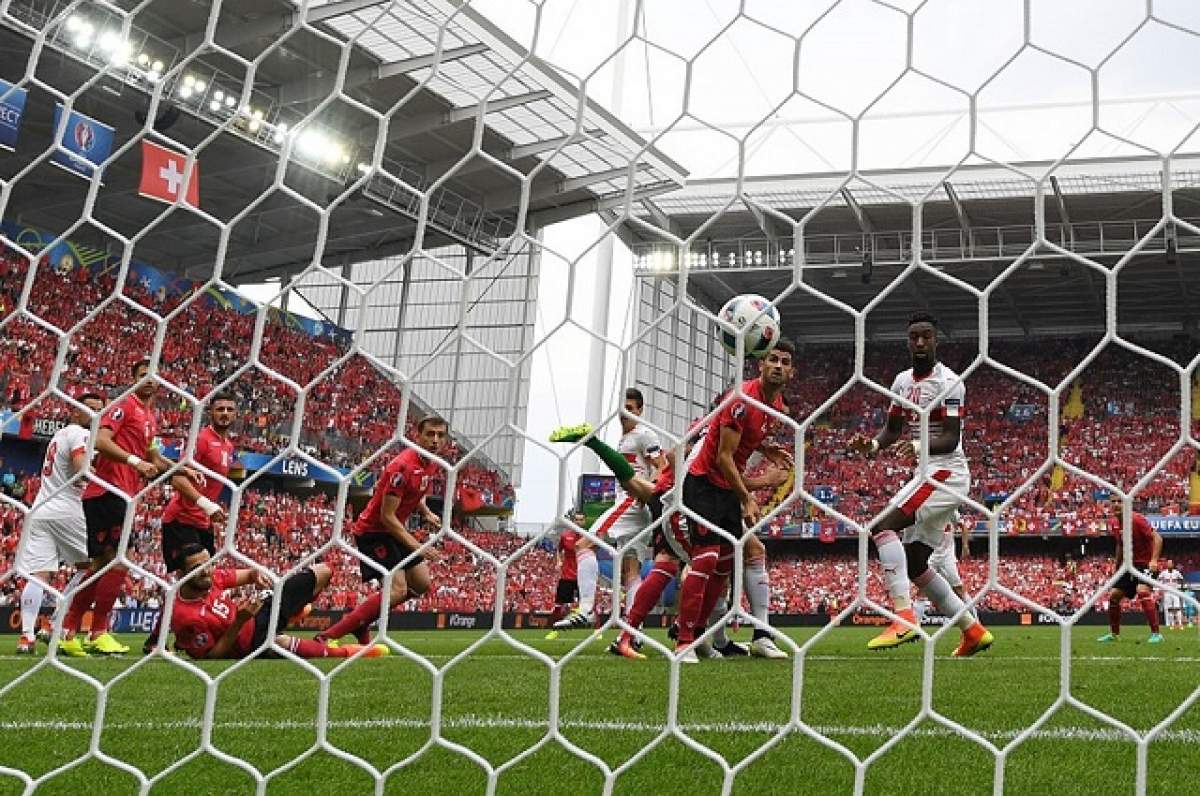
(85, 136)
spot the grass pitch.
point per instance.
(496, 703)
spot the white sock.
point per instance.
(31, 603)
(758, 593)
(588, 573)
(631, 593)
(935, 587)
(894, 563)
(719, 638)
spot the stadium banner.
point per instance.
(85, 143)
(1175, 525)
(12, 108)
(288, 467)
(141, 620)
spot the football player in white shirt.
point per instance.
(1172, 603)
(921, 510)
(627, 518)
(54, 530)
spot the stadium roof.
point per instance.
(438, 84)
(975, 223)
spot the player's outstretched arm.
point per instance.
(1156, 546)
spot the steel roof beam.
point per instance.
(511, 197)
(510, 155)
(860, 215)
(401, 128)
(964, 219)
(321, 84)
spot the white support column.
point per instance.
(594, 409)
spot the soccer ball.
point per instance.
(758, 317)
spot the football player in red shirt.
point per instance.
(1147, 547)
(126, 458)
(208, 624)
(381, 532)
(192, 514)
(715, 489)
(568, 586)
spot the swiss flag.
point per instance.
(162, 175)
(828, 532)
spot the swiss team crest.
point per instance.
(424, 482)
(85, 136)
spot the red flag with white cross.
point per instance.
(162, 175)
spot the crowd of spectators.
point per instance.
(352, 408)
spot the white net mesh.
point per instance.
(400, 166)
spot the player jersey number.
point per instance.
(51, 452)
(221, 609)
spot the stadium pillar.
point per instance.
(594, 409)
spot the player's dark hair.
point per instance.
(143, 362)
(223, 395)
(188, 550)
(786, 346)
(431, 420)
(921, 316)
(634, 394)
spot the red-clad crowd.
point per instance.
(828, 583)
(350, 411)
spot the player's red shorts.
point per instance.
(670, 536)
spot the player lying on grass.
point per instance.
(920, 511)
(671, 547)
(208, 624)
(1147, 547)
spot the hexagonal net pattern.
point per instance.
(300, 171)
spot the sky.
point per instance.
(712, 82)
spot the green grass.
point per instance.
(496, 702)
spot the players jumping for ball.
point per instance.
(624, 521)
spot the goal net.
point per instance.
(347, 218)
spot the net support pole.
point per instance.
(594, 409)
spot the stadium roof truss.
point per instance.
(439, 56)
(974, 224)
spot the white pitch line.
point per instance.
(866, 658)
(473, 722)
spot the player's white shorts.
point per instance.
(930, 506)
(45, 542)
(1171, 602)
(622, 522)
(944, 562)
